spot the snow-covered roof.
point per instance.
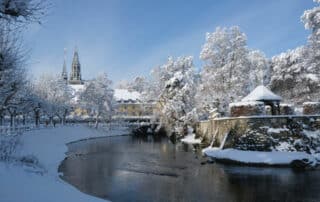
(261, 93)
(124, 94)
(247, 103)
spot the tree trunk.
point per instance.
(12, 119)
(37, 117)
(1, 119)
(97, 121)
(64, 118)
(24, 119)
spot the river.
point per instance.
(129, 168)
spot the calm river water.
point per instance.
(130, 168)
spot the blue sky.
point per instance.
(127, 38)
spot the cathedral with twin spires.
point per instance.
(75, 74)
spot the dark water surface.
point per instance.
(129, 168)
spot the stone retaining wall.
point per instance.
(261, 133)
(310, 108)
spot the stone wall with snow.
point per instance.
(287, 109)
(310, 108)
(268, 133)
(251, 108)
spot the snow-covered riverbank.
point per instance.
(26, 183)
(273, 158)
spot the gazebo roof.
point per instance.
(261, 93)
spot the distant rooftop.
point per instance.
(261, 93)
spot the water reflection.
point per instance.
(149, 169)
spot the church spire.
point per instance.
(75, 75)
(64, 74)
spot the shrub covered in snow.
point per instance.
(246, 109)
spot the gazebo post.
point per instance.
(273, 108)
(278, 107)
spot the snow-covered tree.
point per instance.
(32, 103)
(138, 84)
(311, 20)
(228, 62)
(18, 105)
(98, 97)
(122, 84)
(260, 69)
(56, 94)
(156, 83)
(177, 97)
(12, 53)
(11, 70)
(296, 73)
(293, 78)
(21, 10)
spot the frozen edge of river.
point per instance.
(22, 183)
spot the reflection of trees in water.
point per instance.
(272, 184)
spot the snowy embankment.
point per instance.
(20, 182)
(273, 158)
(190, 139)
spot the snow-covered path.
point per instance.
(49, 146)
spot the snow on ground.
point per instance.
(255, 157)
(49, 146)
(313, 134)
(283, 146)
(190, 139)
(277, 130)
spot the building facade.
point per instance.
(130, 104)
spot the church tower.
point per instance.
(75, 75)
(64, 74)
